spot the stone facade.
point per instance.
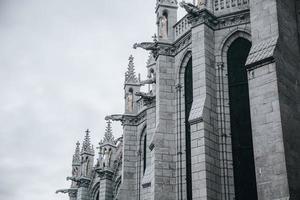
(187, 136)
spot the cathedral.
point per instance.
(220, 118)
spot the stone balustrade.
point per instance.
(181, 27)
(230, 5)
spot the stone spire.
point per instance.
(130, 74)
(86, 145)
(108, 136)
(76, 156)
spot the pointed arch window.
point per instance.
(188, 95)
(145, 153)
(240, 121)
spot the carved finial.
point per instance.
(76, 156)
(86, 145)
(130, 74)
(108, 136)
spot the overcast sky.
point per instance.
(62, 65)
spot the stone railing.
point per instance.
(181, 27)
(140, 105)
(230, 5)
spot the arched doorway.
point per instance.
(188, 97)
(240, 121)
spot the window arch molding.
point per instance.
(183, 130)
(229, 39)
(95, 190)
(182, 65)
(143, 147)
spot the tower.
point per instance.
(76, 165)
(106, 164)
(87, 156)
(86, 166)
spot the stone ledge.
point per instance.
(262, 53)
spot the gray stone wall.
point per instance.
(288, 70)
(271, 174)
(274, 97)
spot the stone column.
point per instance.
(128, 188)
(73, 194)
(274, 77)
(203, 117)
(106, 185)
(164, 137)
(83, 190)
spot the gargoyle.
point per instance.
(149, 46)
(148, 81)
(114, 117)
(147, 97)
(75, 179)
(190, 8)
(64, 191)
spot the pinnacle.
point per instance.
(86, 145)
(130, 74)
(108, 136)
(76, 156)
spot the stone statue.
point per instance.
(84, 167)
(75, 171)
(106, 158)
(130, 102)
(163, 27)
(201, 2)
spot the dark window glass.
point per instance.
(241, 133)
(188, 92)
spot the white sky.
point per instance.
(62, 65)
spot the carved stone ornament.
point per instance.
(163, 26)
(190, 8)
(72, 192)
(201, 2)
(114, 117)
(84, 182)
(148, 81)
(148, 46)
(75, 179)
(147, 97)
(64, 191)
